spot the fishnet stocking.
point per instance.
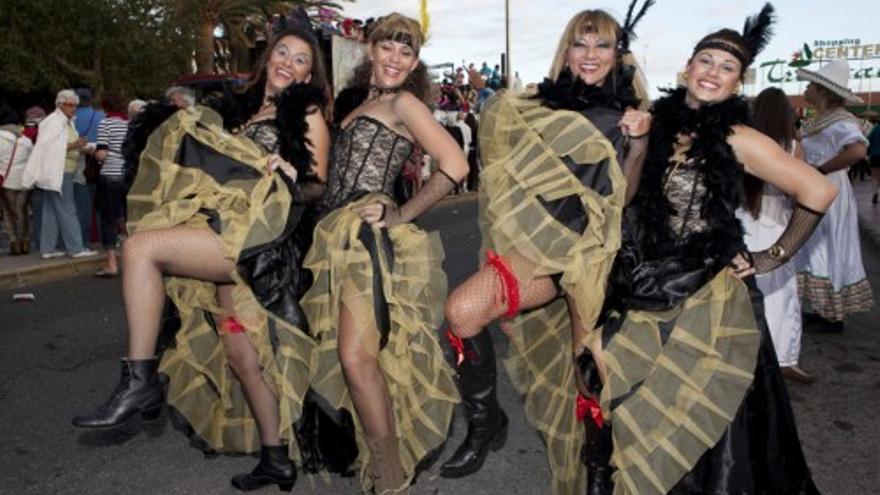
(482, 298)
(147, 256)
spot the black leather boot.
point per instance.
(597, 449)
(487, 423)
(274, 468)
(139, 390)
(596, 455)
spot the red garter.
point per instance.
(231, 325)
(509, 284)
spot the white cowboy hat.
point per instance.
(833, 76)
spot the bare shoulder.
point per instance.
(405, 100)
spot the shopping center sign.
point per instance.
(864, 60)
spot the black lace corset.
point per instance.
(366, 157)
(263, 132)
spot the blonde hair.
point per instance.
(607, 28)
(387, 26)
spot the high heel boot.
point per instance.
(598, 445)
(487, 423)
(274, 468)
(385, 469)
(139, 390)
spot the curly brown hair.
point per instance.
(419, 81)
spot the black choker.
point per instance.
(377, 91)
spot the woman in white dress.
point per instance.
(832, 278)
(764, 217)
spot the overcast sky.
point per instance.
(473, 30)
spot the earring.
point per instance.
(684, 76)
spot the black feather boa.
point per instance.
(293, 105)
(654, 269)
(571, 93)
(346, 101)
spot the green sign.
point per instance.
(864, 60)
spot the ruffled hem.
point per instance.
(420, 381)
(532, 155)
(819, 294)
(675, 380)
(224, 189)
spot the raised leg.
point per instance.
(148, 255)
(483, 298)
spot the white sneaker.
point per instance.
(85, 253)
(53, 254)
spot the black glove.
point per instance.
(437, 187)
(800, 227)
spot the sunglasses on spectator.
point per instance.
(68, 104)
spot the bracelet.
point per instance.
(640, 136)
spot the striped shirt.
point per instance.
(111, 134)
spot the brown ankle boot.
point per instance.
(385, 469)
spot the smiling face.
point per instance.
(289, 62)
(392, 63)
(591, 58)
(713, 76)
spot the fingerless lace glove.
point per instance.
(437, 187)
(800, 227)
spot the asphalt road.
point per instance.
(59, 355)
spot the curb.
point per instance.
(48, 271)
(42, 271)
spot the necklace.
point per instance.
(378, 91)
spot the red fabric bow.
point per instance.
(589, 405)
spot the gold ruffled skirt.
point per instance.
(523, 145)
(420, 381)
(675, 380)
(250, 209)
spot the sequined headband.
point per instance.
(727, 47)
(400, 37)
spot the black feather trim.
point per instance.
(346, 101)
(293, 105)
(570, 93)
(651, 255)
(758, 29)
(235, 108)
(629, 25)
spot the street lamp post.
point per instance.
(507, 71)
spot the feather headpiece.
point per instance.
(629, 25)
(297, 18)
(745, 46)
(758, 29)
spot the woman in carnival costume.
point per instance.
(691, 382)
(379, 287)
(833, 279)
(557, 165)
(215, 221)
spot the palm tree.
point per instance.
(233, 16)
